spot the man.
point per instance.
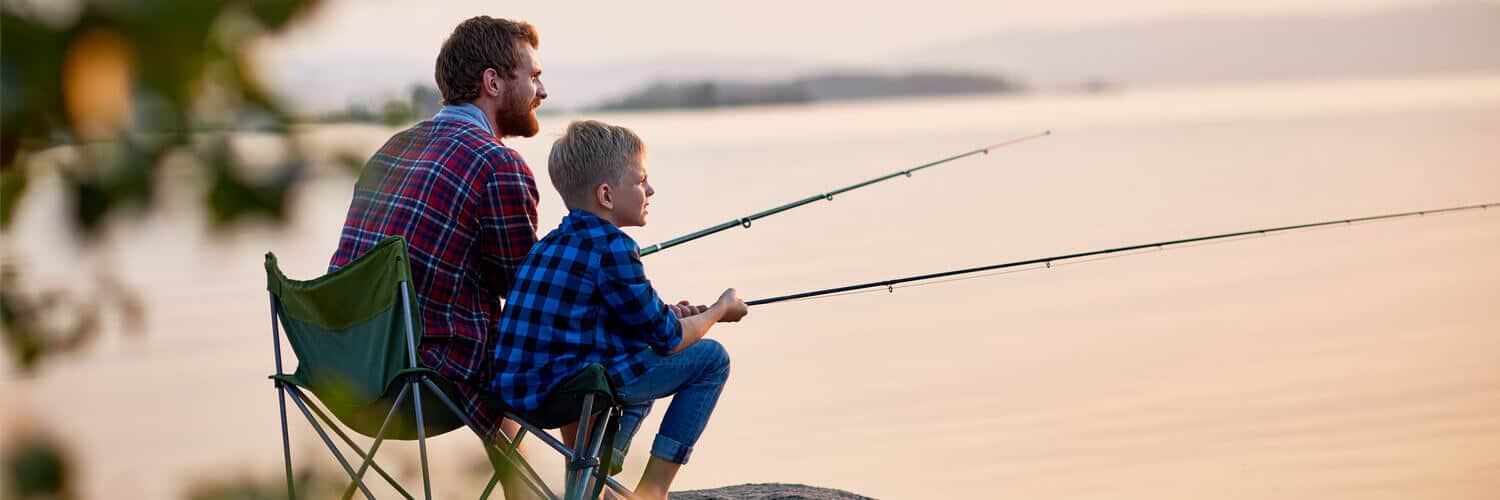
(464, 201)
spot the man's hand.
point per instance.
(683, 309)
(733, 307)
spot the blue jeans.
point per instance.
(694, 377)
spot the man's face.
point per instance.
(523, 92)
(631, 194)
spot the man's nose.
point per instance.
(541, 90)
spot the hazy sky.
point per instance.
(387, 44)
(574, 31)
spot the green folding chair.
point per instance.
(355, 333)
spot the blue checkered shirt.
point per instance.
(580, 297)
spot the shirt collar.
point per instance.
(466, 112)
(587, 225)
(583, 219)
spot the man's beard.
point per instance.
(516, 119)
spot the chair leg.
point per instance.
(533, 480)
(286, 443)
(411, 356)
(329, 443)
(596, 441)
(569, 454)
(369, 458)
(490, 488)
(528, 475)
(357, 450)
(422, 442)
(509, 456)
(577, 477)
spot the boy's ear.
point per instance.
(603, 195)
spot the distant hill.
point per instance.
(846, 85)
(857, 85)
(1448, 37)
(707, 94)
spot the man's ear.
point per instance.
(493, 83)
(604, 196)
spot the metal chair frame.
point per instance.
(585, 476)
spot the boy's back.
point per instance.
(580, 297)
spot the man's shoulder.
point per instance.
(471, 136)
(456, 146)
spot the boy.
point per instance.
(582, 297)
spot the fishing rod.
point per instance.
(1049, 261)
(746, 220)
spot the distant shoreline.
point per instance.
(821, 87)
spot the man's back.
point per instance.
(467, 207)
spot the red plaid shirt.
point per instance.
(467, 207)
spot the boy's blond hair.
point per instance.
(588, 154)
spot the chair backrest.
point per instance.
(349, 334)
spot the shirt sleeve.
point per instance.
(631, 299)
(507, 220)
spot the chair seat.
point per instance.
(564, 404)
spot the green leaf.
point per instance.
(12, 186)
(232, 197)
(36, 467)
(275, 14)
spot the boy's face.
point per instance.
(630, 195)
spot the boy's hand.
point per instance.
(683, 309)
(729, 302)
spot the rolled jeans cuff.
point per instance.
(670, 450)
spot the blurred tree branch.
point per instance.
(125, 85)
(36, 468)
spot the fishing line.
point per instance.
(1042, 267)
(1092, 256)
(746, 221)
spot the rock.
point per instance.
(768, 491)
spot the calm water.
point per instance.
(1353, 363)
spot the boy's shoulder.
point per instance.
(583, 224)
(585, 231)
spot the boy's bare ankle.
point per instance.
(657, 479)
(650, 492)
